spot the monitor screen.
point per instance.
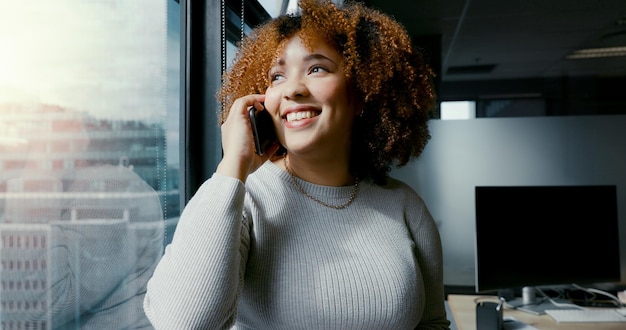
(546, 235)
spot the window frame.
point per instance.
(201, 76)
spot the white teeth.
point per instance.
(294, 116)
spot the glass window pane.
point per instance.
(89, 156)
(273, 7)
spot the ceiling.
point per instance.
(515, 38)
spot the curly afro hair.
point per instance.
(389, 74)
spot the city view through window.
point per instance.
(89, 158)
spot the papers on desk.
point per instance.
(510, 323)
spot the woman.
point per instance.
(313, 234)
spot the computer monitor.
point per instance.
(531, 236)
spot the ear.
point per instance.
(356, 101)
(359, 112)
(359, 107)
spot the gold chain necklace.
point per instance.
(338, 207)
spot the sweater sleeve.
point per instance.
(426, 236)
(197, 282)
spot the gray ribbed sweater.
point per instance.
(290, 263)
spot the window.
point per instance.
(451, 110)
(89, 158)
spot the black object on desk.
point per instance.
(489, 315)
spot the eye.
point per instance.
(274, 76)
(317, 69)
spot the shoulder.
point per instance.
(394, 196)
(401, 190)
(407, 199)
(267, 183)
(266, 174)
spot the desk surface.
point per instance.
(463, 310)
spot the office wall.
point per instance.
(462, 154)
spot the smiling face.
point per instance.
(309, 99)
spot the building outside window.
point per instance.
(89, 158)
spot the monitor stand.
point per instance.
(530, 303)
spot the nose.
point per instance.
(295, 88)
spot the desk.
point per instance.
(463, 310)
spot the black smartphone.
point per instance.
(263, 130)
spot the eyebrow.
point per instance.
(308, 58)
(316, 56)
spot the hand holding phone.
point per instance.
(263, 130)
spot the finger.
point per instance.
(241, 106)
(258, 102)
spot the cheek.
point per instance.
(329, 91)
(341, 100)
